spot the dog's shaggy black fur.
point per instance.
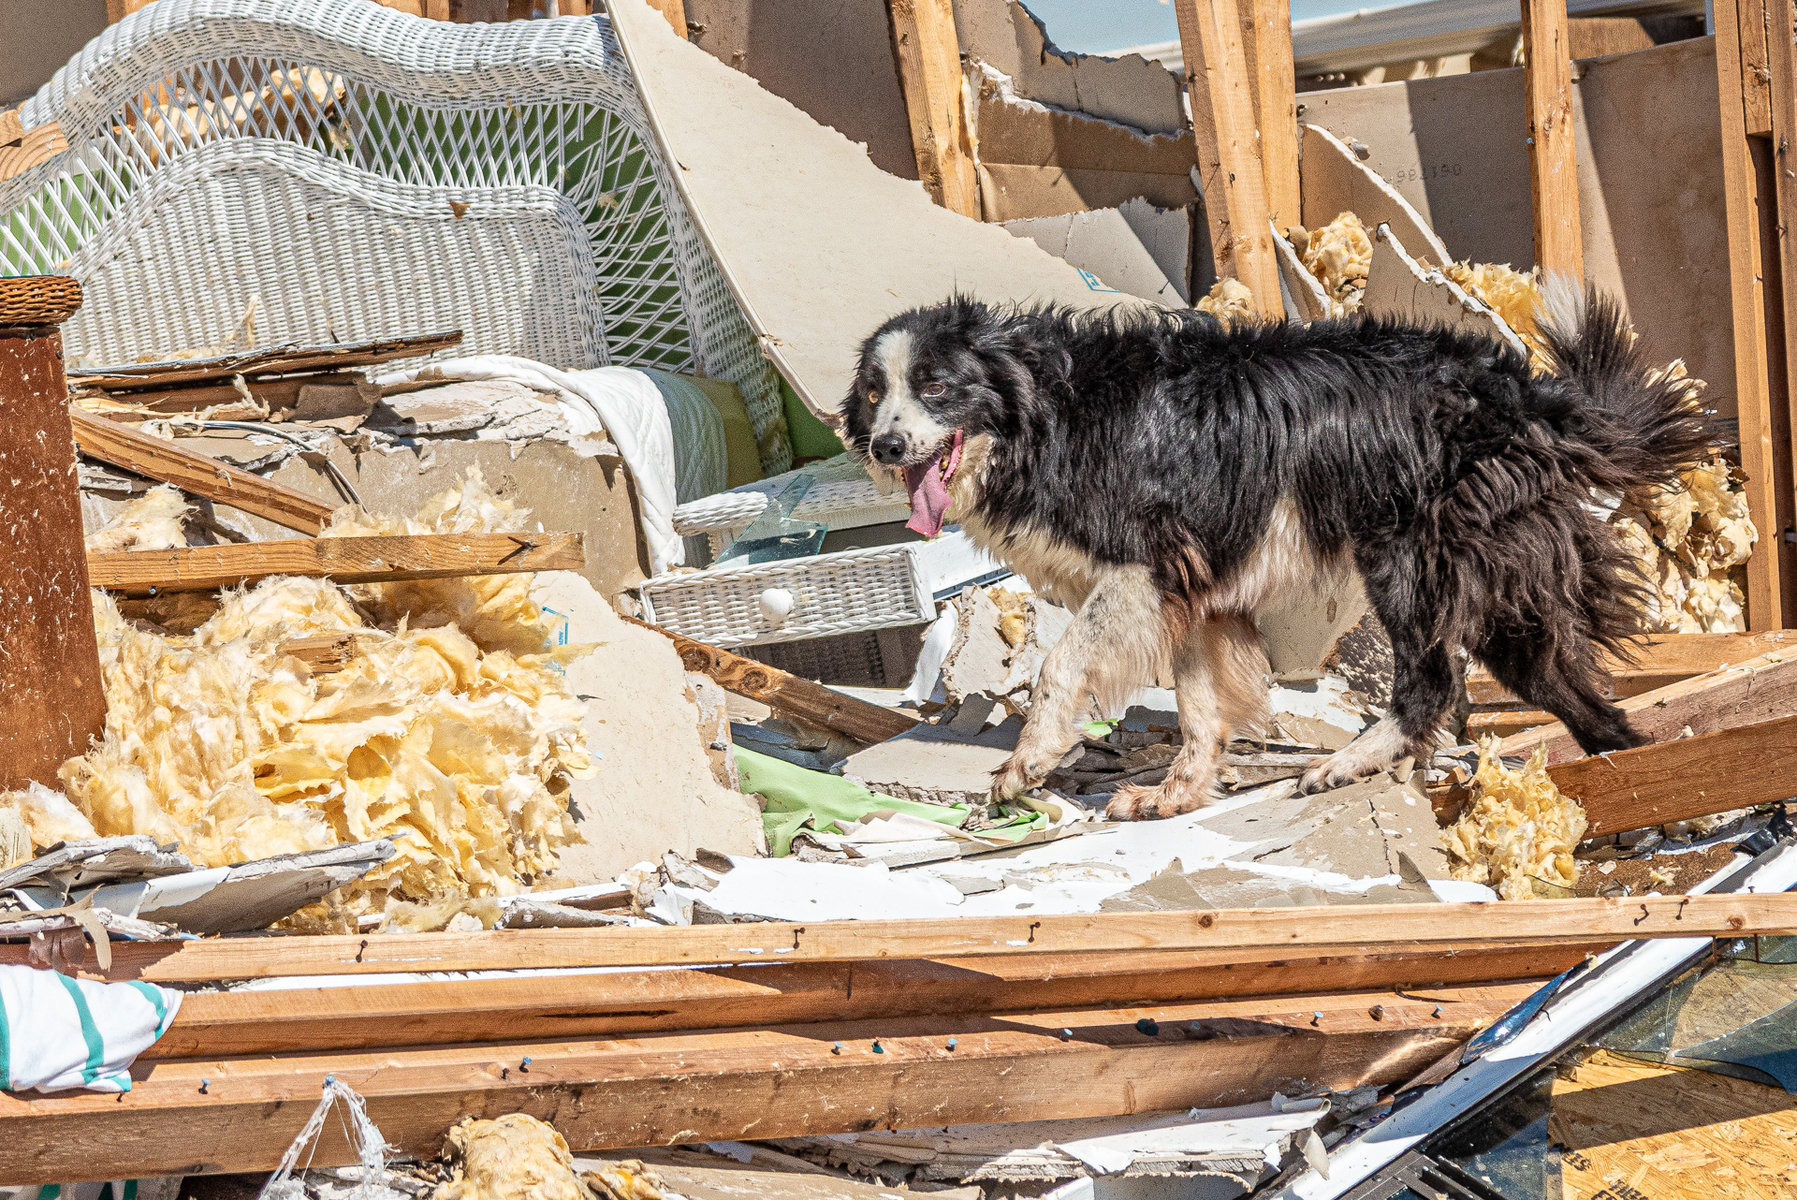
(1455, 477)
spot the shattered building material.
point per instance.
(1518, 828)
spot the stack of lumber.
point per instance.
(777, 1030)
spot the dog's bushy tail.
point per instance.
(1639, 427)
(1643, 423)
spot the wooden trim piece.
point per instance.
(38, 299)
(929, 61)
(1667, 659)
(346, 560)
(1748, 693)
(167, 462)
(803, 700)
(211, 1025)
(1678, 780)
(1553, 162)
(1249, 934)
(38, 144)
(1267, 40)
(1747, 310)
(242, 1114)
(254, 364)
(1229, 160)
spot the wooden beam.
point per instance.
(1781, 70)
(52, 702)
(1756, 69)
(241, 1114)
(1267, 41)
(1747, 311)
(346, 560)
(1760, 689)
(805, 701)
(559, 1008)
(1231, 178)
(1553, 161)
(1679, 780)
(929, 61)
(1248, 934)
(1667, 659)
(167, 462)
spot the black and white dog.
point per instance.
(1164, 475)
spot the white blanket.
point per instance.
(57, 1032)
(623, 404)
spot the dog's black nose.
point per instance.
(889, 447)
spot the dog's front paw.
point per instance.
(1133, 802)
(1017, 776)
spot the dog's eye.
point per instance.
(932, 389)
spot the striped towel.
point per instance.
(57, 1032)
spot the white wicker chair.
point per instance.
(357, 172)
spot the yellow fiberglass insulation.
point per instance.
(1228, 298)
(517, 1157)
(451, 726)
(1518, 828)
(150, 522)
(1339, 254)
(1511, 292)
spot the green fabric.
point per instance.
(811, 438)
(797, 798)
(90, 1033)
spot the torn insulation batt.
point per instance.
(1517, 829)
(450, 729)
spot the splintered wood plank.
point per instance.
(274, 360)
(1231, 177)
(1678, 780)
(929, 60)
(1747, 310)
(1747, 693)
(773, 1081)
(165, 461)
(346, 560)
(52, 702)
(802, 699)
(1267, 42)
(1553, 161)
(214, 1024)
(1667, 659)
(1247, 934)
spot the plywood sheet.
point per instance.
(1650, 183)
(819, 245)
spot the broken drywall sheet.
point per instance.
(1129, 90)
(1304, 295)
(654, 787)
(1104, 244)
(1167, 235)
(1333, 180)
(818, 221)
(1654, 232)
(1399, 286)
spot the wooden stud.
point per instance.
(1553, 161)
(1749, 693)
(805, 701)
(929, 61)
(1747, 311)
(1267, 41)
(1778, 212)
(1229, 161)
(1667, 659)
(346, 560)
(559, 1008)
(1238, 935)
(52, 701)
(1681, 779)
(241, 1114)
(1756, 69)
(167, 462)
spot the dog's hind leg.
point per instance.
(1423, 686)
(1220, 678)
(1560, 673)
(1116, 643)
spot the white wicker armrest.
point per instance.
(726, 510)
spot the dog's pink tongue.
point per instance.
(929, 490)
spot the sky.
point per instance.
(1093, 26)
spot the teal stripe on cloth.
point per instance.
(155, 995)
(90, 1033)
(5, 1051)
